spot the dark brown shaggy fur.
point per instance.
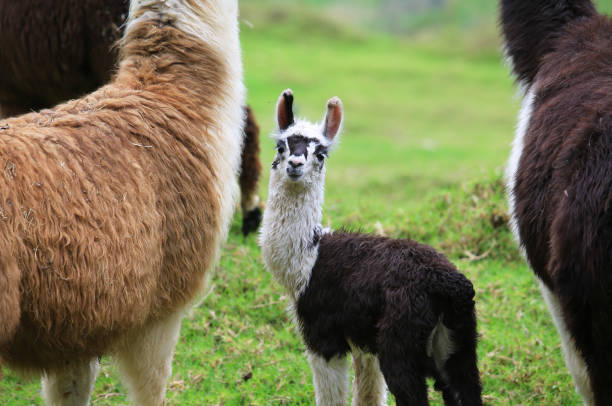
(53, 51)
(563, 187)
(249, 174)
(386, 296)
(110, 214)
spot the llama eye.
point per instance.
(281, 150)
(320, 157)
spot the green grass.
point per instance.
(429, 121)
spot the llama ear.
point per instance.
(333, 118)
(284, 110)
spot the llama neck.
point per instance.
(212, 21)
(184, 56)
(192, 39)
(291, 220)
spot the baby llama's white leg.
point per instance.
(72, 386)
(330, 380)
(369, 388)
(145, 361)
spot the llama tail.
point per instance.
(457, 289)
(10, 308)
(457, 367)
(530, 28)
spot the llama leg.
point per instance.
(72, 386)
(330, 379)
(249, 175)
(369, 388)
(403, 362)
(405, 377)
(461, 379)
(573, 359)
(146, 360)
(402, 340)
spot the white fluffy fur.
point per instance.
(330, 380)
(145, 361)
(71, 387)
(515, 157)
(286, 233)
(573, 359)
(369, 387)
(440, 347)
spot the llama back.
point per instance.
(395, 264)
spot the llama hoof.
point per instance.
(251, 221)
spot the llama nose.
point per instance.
(295, 164)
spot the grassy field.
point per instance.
(429, 121)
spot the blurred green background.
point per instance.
(430, 112)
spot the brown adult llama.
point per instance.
(53, 51)
(113, 207)
(560, 174)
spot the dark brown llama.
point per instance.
(560, 174)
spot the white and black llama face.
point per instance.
(302, 147)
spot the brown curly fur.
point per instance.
(77, 56)
(110, 206)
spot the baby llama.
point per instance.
(113, 207)
(398, 306)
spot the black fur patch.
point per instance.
(281, 145)
(386, 296)
(288, 98)
(321, 150)
(251, 221)
(275, 163)
(298, 145)
(531, 28)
